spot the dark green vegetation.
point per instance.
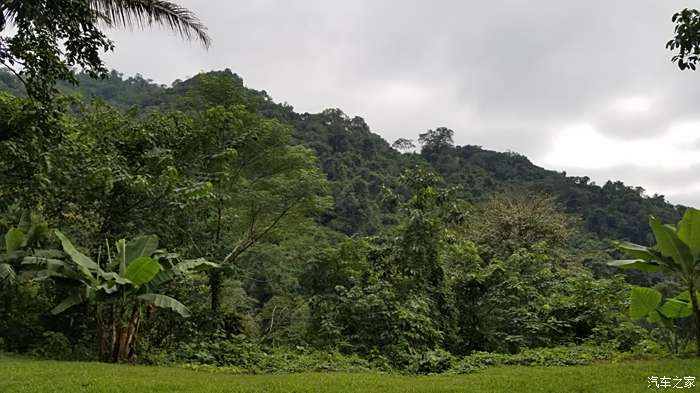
(54, 37)
(319, 235)
(677, 253)
(32, 376)
(266, 240)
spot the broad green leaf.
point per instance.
(689, 231)
(142, 246)
(142, 270)
(163, 277)
(670, 244)
(67, 303)
(163, 301)
(14, 239)
(7, 273)
(654, 317)
(84, 264)
(684, 296)
(195, 265)
(643, 301)
(635, 250)
(183, 268)
(637, 264)
(674, 309)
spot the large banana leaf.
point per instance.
(643, 302)
(194, 265)
(637, 264)
(142, 270)
(84, 264)
(670, 244)
(163, 301)
(70, 301)
(675, 308)
(689, 231)
(142, 246)
(636, 251)
(183, 268)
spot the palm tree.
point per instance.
(130, 13)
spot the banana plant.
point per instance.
(17, 243)
(676, 253)
(647, 304)
(121, 288)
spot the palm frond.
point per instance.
(8, 11)
(143, 13)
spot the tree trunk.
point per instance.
(215, 284)
(124, 344)
(696, 313)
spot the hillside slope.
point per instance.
(360, 163)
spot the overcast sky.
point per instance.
(585, 87)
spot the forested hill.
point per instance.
(359, 163)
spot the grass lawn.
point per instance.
(25, 375)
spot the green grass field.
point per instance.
(24, 375)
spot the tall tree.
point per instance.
(253, 181)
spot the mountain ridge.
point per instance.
(359, 163)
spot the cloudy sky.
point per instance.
(586, 87)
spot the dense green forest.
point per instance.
(320, 234)
(204, 224)
(359, 163)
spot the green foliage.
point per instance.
(677, 253)
(124, 292)
(646, 304)
(17, 243)
(359, 163)
(53, 346)
(643, 302)
(51, 38)
(550, 357)
(22, 321)
(469, 261)
(686, 41)
(240, 355)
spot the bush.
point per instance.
(238, 354)
(557, 356)
(53, 345)
(431, 362)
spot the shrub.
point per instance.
(557, 356)
(53, 345)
